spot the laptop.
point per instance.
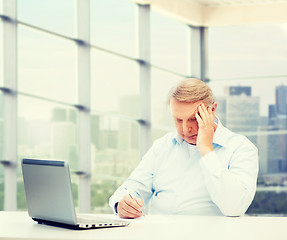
(49, 197)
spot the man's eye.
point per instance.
(178, 120)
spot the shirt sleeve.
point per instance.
(139, 183)
(232, 188)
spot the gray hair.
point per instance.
(191, 90)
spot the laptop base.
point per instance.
(78, 227)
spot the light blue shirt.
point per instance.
(173, 178)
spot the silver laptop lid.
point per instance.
(48, 190)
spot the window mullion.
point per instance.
(10, 105)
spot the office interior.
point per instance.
(86, 81)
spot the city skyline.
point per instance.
(115, 153)
(245, 120)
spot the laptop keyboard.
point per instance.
(88, 220)
(96, 219)
(98, 222)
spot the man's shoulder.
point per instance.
(239, 140)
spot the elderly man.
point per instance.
(202, 169)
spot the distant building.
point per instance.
(271, 159)
(1, 127)
(115, 140)
(221, 109)
(272, 115)
(242, 113)
(281, 106)
(1, 106)
(281, 100)
(239, 111)
(277, 142)
(95, 131)
(128, 130)
(64, 136)
(64, 115)
(1, 138)
(263, 150)
(238, 90)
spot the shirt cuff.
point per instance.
(116, 207)
(211, 164)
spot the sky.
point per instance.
(255, 53)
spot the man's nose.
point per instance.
(186, 127)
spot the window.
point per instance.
(249, 80)
(115, 153)
(114, 86)
(46, 65)
(113, 25)
(169, 57)
(247, 51)
(1, 51)
(52, 15)
(161, 118)
(46, 130)
(1, 151)
(169, 44)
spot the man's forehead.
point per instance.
(185, 109)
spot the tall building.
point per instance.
(278, 118)
(272, 115)
(238, 90)
(281, 100)
(263, 150)
(268, 144)
(1, 126)
(129, 131)
(1, 137)
(95, 131)
(242, 113)
(276, 143)
(221, 109)
(64, 136)
(271, 159)
(239, 111)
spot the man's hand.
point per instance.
(205, 119)
(130, 207)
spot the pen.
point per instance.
(132, 198)
(129, 194)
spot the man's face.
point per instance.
(184, 117)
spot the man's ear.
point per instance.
(214, 106)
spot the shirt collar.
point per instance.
(177, 139)
(219, 137)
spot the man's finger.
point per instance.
(133, 205)
(198, 119)
(206, 114)
(126, 210)
(125, 213)
(203, 112)
(139, 201)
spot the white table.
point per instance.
(18, 225)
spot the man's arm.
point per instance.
(139, 185)
(231, 188)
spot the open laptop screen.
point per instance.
(48, 190)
